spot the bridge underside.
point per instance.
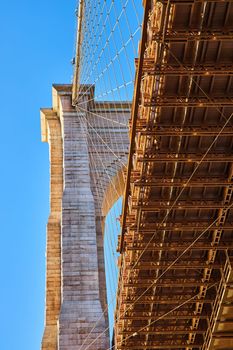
(176, 281)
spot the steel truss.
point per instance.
(176, 282)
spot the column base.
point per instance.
(49, 340)
(77, 318)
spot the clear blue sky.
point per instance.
(37, 39)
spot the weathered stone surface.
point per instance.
(52, 126)
(75, 287)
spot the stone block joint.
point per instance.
(75, 276)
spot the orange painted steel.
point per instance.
(175, 286)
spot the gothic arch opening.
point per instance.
(114, 190)
(111, 209)
(111, 233)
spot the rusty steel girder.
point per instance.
(177, 222)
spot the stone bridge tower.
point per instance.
(75, 276)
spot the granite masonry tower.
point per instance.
(75, 276)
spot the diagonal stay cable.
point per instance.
(89, 32)
(104, 142)
(213, 142)
(168, 268)
(101, 161)
(164, 315)
(96, 43)
(112, 30)
(99, 197)
(202, 159)
(185, 184)
(227, 120)
(193, 80)
(108, 39)
(190, 246)
(111, 61)
(199, 163)
(107, 43)
(101, 116)
(109, 135)
(122, 86)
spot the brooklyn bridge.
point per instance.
(140, 232)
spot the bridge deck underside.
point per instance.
(176, 285)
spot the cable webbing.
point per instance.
(110, 31)
(109, 82)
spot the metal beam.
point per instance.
(180, 226)
(197, 70)
(186, 130)
(151, 331)
(180, 182)
(159, 345)
(177, 247)
(138, 316)
(184, 101)
(192, 35)
(162, 204)
(134, 115)
(186, 157)
(142, 284)
(183, 265)
(158, 301)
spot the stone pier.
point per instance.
(75, 277)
